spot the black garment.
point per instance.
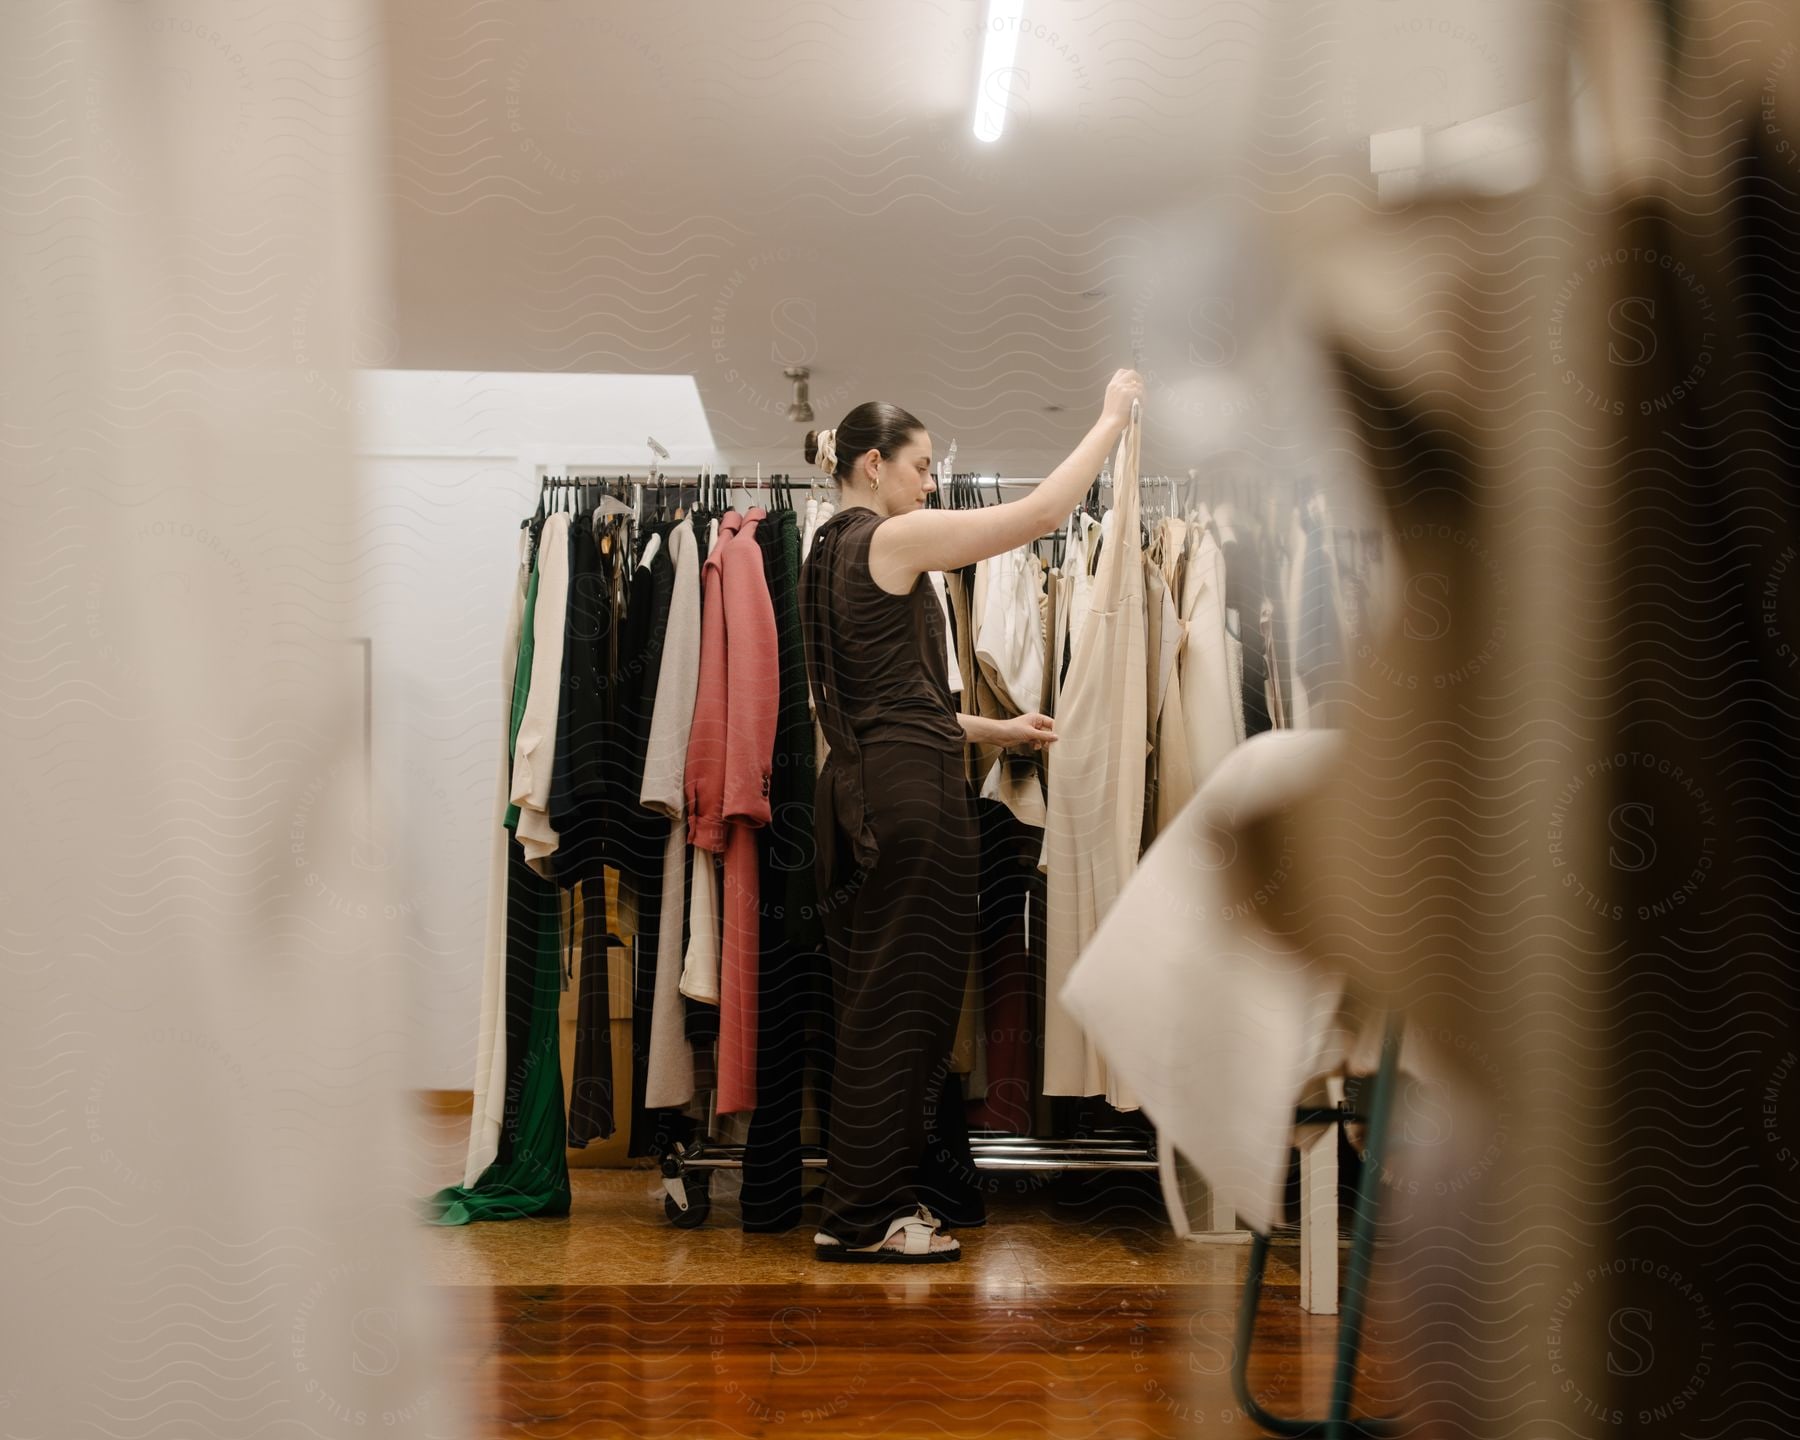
(581, 790)
(948, 1182)
(591, 1092)
(789, 833)
(703, 523)
(876, 665)
(650, 591)
(880, 656)
(792, 987)
(899, 935)
(581, 807)
(773, 1171)
(897, 865)
(1244, 591)
(1012, 980)
(526, 902)
(637, 846)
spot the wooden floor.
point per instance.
(1074, 1312)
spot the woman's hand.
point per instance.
(905, 546)
(1034, 730)
(1124, 387)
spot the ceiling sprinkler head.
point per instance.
(801, 410)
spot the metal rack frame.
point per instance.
(687, 1202)
(1338, 1423)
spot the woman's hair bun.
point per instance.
(872, 425)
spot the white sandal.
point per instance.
(920, 1244)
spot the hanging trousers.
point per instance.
(771, 1196)
(898, 937)
(591, 1096)
(791, 1010)
(1010, 985)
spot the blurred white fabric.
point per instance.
(1215, 1023)
(207, 1172)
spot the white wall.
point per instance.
(447, 473)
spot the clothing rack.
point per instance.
(773, 491)
(687, 1168)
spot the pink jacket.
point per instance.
(704, 777)
(730, 750)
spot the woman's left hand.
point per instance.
(1035, 730)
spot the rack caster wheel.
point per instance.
(698, 1187)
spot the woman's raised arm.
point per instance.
(907, 546)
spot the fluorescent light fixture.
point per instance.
(1005, 18)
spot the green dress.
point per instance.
(531, 1174)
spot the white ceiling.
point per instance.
(722, 189)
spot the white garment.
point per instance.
(700, 966)
(809, 522)
(817, 513)
(1174, 766)
(1217, 1023)
(489, 1107)
(1292, 582)
(955, 670)
(534, 755)
(1075, 565)
(1168, 632)
(1009, 640)
(1008, 649)
(1205, 668)
(1097, 770)
(677, 682)
(669, 1079)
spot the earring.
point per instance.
(875, 476)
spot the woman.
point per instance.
(897, 856)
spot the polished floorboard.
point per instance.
(1075, 1312)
